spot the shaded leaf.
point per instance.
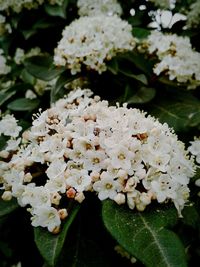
(140, 33)
(50, 245)
(42, 67)
(7, 207)
(58, 90)
(180, 113)
(139, 77)
(142, 95)
(4, 96)
(23, 104)
(144, 236)
(57, 10)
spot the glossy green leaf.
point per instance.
(180, 113)
(142, 95)
(7, 207)
(4, 96)
(42, 67)
(57, 10)
(144, 234)
(139, 77)
(50, 245)
(58, 90)
(23, 104)
(140, 33)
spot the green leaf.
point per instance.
(23, 104)
(58, 90)
(57, 10)
(139, 61)
(4, 96)
(50, 245)
(142, 95)
(180, 112)
(144, 236)
(140, 33)
(139, 77)
(112, 66)
(27, 77)
(7, 207)
(42, 67)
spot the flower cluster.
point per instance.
(98, 7)
(176, 58)
(82, 144)
(193, 16)
(91, 41)
(194, 149)
(163, 4)
(4, 69)
(17, 6)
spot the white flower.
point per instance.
(46, 217)
(91, 41)
(78, 179)
(107, 187)
(97, 7)
(9, 127)
(194, 149)
(56, 169)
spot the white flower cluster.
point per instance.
(91, 41)
(81, 144)
(18, 5)
(176, 58)
(163, 4)
(98, 7)
(193, 16)
(4, 69)
(10, 128)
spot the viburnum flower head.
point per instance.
(92, 41)
(118, 153)
(98, 7)
(176, 58)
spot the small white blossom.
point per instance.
(9, 127)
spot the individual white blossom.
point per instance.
(82, 144)
(9, 127)
(175, 58)
(193, 16)
(92, 41)
(194, 149)
(98, 7)
(4, 68)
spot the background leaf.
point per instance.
(23, 104)
(42, 67)
(7, 207)
(144, 236)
